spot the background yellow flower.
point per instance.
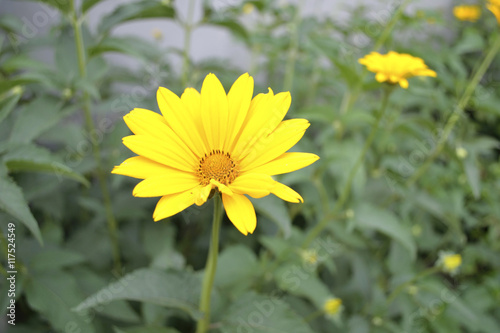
(467, 12)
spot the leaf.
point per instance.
(146, 329)
(52, 259)
(275, 210)
(170, 289)
(235, 268)
(134, 11)
(34, 119)
(88, 4)
(471, 41)
(12, 202)
(233, 26)
(473, 176)
(8, 103)
(32, 158)
(133, 46)
(62, 5)
(52, 295)
(262, 314)
(14, 82)
(370, 217)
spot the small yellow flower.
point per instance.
(333, 307)
(309, 256)
(467, 12)
(494, 7)
(213, 141)
(461, 152)
(449, 262)
(395, 67)
(248, 8)
(157, 34)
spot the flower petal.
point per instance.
(191, 99)
(254, 184)
(214, 111)
(285, 163)
(159, 151)
(239, 98)
(172, 204)
(149, 123)
(141, 167)
(177, 118)
(172, 182)
(240, 212)
(286, 193)
(288, 133)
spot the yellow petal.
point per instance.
(149, 123)
(174, 203)
(285, 163)
(286, 193)
(222, 188)
(160, 152)
(403, 83)
(254, 184)
(380, 77)
(288, 133)
(177, 118)
(192, 101)
(202, 193)
(240, 212)
(172, 182)
(140, 167)
(264, 117)
(214, 111)
(239, 98)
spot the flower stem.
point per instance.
(188, 29)
(293, 50)
(91, 131)
(403, 285)
(458, 111)
(347, 187)
(209, 275)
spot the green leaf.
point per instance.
(34, 119)
(134, 11)
(233, 26)
(62, 5)
(133, 46)
(473, 175)
(170, 289)
(275, 209)
(262, 314)
(87, 4)
(28, 157)
(368, 216)
(146, 329)
(235, 268)
(14, 82)
(8, 103)
(52, 295)
(471, 41)
(12, 202)
(52, 259)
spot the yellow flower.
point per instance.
(209, 141)
(333, 306)
(449, 262)
(467, 13)
(248, 8)
(494, 7)
(395, 67)
(309, 256)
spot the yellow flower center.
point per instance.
(219, 166)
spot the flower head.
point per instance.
(213, 141)
(333, 307)
(467, 12)
(395, 67)
(494, 7)
(449, 262)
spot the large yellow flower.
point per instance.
(467, 12)
(211, 141)
(395, 67)
(494, 7)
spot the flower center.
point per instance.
(219, 166)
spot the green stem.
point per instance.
(458, 111)
(293, 50)
(209, 275)
(188, 30)
(89, 124)
(347, 187)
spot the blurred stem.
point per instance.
(347, 187)
(188, 30)
(91, 131)
(458, 111)
(403, 285)
(350, 97)
(293, 50)
(209, 274)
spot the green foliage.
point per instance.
(380, 243)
